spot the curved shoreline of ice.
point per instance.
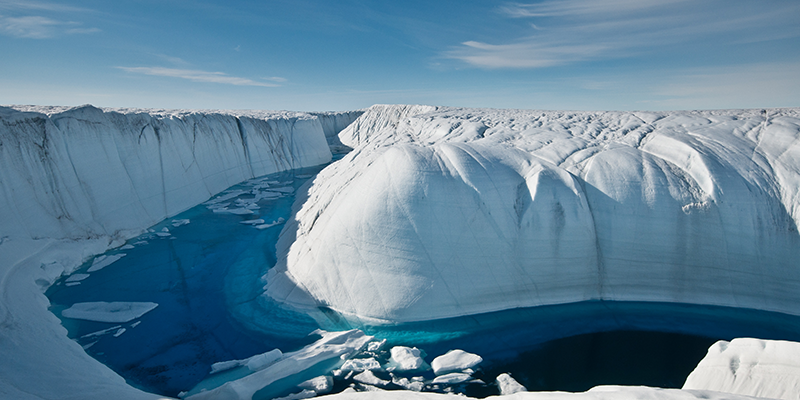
(76, 181)
(440, 212)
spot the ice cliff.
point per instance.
(86, 172)
(440, 212)
(75, 181)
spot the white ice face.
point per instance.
(442, 212)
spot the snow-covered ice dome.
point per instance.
(442, 212)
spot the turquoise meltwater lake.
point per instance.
(204, 269)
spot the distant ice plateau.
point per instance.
(436, 212)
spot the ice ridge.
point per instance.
(87, 172)
(441, 212)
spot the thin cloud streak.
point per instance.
(565, 32)
(39, 6)
(578, 8)
(38, 27)
(197, 76)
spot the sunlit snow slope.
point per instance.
(76, 181)
(440, 212)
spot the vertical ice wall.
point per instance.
(85, 172)
(440, 212)
(73, 180)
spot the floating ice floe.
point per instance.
(415, 384)
(375, 346)
(292, 369)
(405, 359)
(76, 278)
(509, 385)
(104, 261)
(235, 211)
(320, 385)
(361, 364)
(180, 222)
(101, 332)
(254, 363)
(454, 360)
(114, 312)
(368, 378)
(259, 221)
(270, 225)
(452, 378)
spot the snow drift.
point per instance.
(442, 212)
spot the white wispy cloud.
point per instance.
(568, 31)
(41, 19)
(39, 27)
(581, 7)
(197, 76)
(749, 85)
(38, 6)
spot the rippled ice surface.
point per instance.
(203, 268)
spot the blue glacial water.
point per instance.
(203, 268)
(205, 277)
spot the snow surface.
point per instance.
(57, 165)
(443, 212)
(77, 181)
(753, 367)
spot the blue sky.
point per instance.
(349, 54)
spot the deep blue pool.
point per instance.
(203, 268)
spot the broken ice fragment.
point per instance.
(104, 261)
(509, 385)
(76, 278)
(454, 360)
(361, 364)
(369, 378)
(101, 311)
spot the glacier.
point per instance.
(436, 212)
(443, 212)
(76, 181)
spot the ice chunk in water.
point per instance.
(361, 364)
(509, 385)
(452, 378)
(320, 384)
(115, 312)
(455, 360)
(104, 261)
(76, 278)
(405, 359)
(293, 368)
(254, 363)
(369, 378)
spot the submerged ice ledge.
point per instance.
(440, 212)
